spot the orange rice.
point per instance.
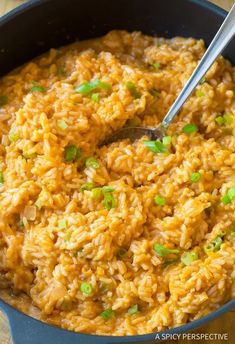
(54, 237)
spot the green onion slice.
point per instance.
(87, 186)
(154, 92)
(220, 120)
(190, 128)
(3, 100)
(62, 224)
(133, 90)
(195, 177)
(107, 189)
(62, 124)
(163, 251)
(122, 252)
(86, 288)
(226, 199)
(13, 136)
(214, 245)
(95, 97)
(229, 196)
(61, 71)
(156, 146)
(188, 257)
(199, 93)
(37, 88)
(97, 192)
(166, 140)
(107, 314)
(231, 193)
(156, 65)
(92, 162)
(203, 80)
(1, 177)
(133, 309)
(72, 153)
(38, 203)
(91, 86)
(109, 201)
(228, 119)
(159, 200)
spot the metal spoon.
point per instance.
(220, 41)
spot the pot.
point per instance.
(38, 25)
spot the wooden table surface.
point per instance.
(225, 324)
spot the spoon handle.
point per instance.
(220, 41)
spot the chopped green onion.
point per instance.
(214, 245)
(87, 186)
(164, 251)
(66, 304)
(86, 288)
(79, 251)
(67, 236)
(38, 203)
(170, 262)
(37, 88)
(21, 223)
(97, 192)
(229, 196)
(226, 199)
(13, 137)
(203, 80)
(231, 193)
(61, 71)
(157, 65)
(188, 257)
(1, 177)
(154, 92)
(190, 128)
(92, 162)
(133, 309)
(29, 156)
(62, 124)
(122, 252)
(199, 93)
(159, 200)
(156, 146)
(91, 86)
(72, 153)
(222, 234)
(109, 201)
(107, 314)
(228, 119)
(166, 140)
(217, 243)
(62, 224)
(107, 189)
(195, 177)
(133, 90)
(3, 100)
(95, 97)
(220, 120)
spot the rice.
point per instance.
(102, 240)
